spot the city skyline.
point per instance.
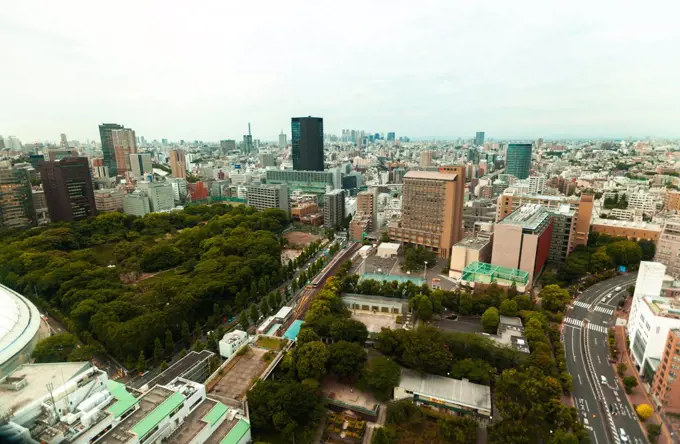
(442, 70)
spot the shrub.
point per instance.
(644, 411)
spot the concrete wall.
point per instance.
(506, 246)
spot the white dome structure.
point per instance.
(19, 327)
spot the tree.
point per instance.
(475, 370)
(157, 351)
(254, 314)
(523, 302)
(422, 307)
(653, 432)
(243, 320)
(380, 436)
(624, 252)
(197, 330)
(554, 298)
(311, 360)
(648, 249)
(169, 342)
(630, 382)
(415, 258)
(380, 376)
(349, 330)
(55, 348)
(644, 411)
(141, 362)
(185, 332)
(347, 359)
(264, 307)
(490, 320)
(621, 368)
(307, 335)
(508, 308)
(163, 366)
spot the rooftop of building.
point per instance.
(474, 242)
(433, 175)
(517, 193)
(182, 367)
(638, 225)
(456, 391)
(667, 307)
(529, 216)
(38, 377)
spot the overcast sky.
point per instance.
(426, 68)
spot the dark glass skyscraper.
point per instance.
(68, 189)
(518, 160)
(479, 138)
(307, 143)
(106, 135)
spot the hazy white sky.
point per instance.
(446, 68)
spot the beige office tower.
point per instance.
(178, 164)
(426, 159)
(364, 220)
(432, 209)
(124, 144)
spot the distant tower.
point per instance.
(283, 141)
(307, 141)
(64, 142)
(479, 138)
(248, 142)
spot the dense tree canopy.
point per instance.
(87, 273)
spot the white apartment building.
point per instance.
(668, 247)
(179, 188)
(232, 342)
(655, 310)
(161, 195)
(136, 204)
(621, 214)
(537, 184)
(643, 201)
(269, 196)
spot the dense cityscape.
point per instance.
(359, 287)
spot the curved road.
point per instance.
(599, 398)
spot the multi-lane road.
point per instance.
(600, 399)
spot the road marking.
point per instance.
(575, 322)
(608, 311)
(597, 328)
(599, 361)
(582, 304)
(579, 378)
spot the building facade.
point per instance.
(522, 240)
(307, 137)
(16, 198)
(666, 385)
(518, 160)
(136, 204)
(178, 164)
(140, 164)
(432, 209)
(632, 230)
(269, 196)
(334, 208)
(68, 189)
(106, 136)
(668, 248)
(479, 138)
(108, 200)
(124, 144)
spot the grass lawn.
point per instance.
(270, 343)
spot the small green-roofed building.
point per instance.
(483, 273)
(154, 418)
(124, 399)
(237, 433)
(214, 415)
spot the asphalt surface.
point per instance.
(601, 404)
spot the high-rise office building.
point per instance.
(68, 189)
(518, 160)
(479, 138)
(124, 144)
(178, 164)
(106, 135)
(227, 146)
(140, 164)
(432, 209)
(16, 202)
(283, 140)
(247, 142)
(63, 142)
(391, 136)
(334, 208)
(307, 134)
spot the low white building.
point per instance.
(265, 325)
(388, 249)
(283, 314)
(232, 342)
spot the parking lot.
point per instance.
(464, 324)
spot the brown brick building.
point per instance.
(666, 385)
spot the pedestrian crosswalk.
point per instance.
(597, 328)
(574, 322)
(608, 311)
(582, 304)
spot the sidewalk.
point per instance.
(639, 396)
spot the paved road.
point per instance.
(601, 404)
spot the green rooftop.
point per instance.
(484, 273)
(215, 413)
(237, 433)
(156, 416)
(124, 400)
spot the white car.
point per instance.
(603, 379)
(623, 436)
(618, 289)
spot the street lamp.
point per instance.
(425, 272)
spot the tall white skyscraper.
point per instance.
(283, 140)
